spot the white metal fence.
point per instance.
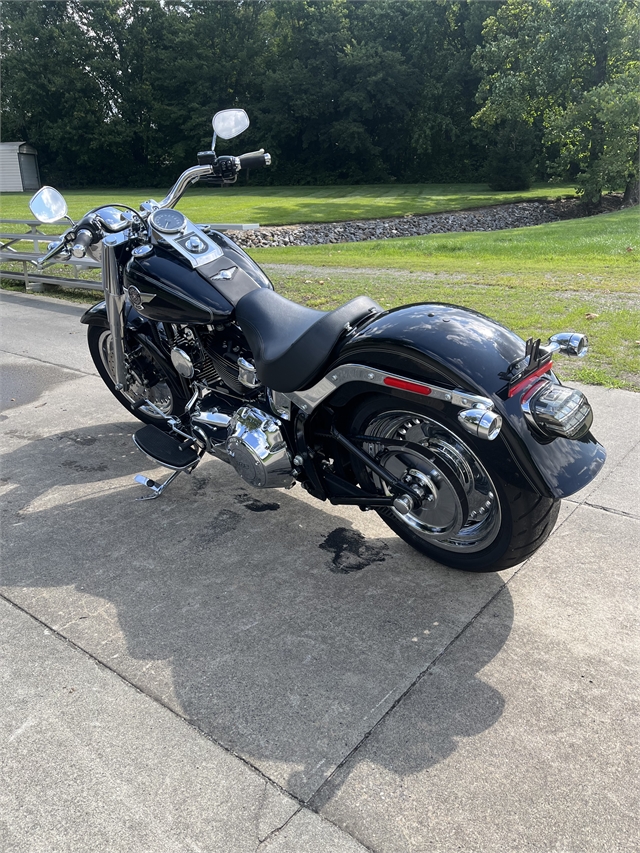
(22, 242)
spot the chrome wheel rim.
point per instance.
(466, 516)
(159, 394)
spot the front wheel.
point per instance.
(471, 519)
(148, 380)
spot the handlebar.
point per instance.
(217, 169)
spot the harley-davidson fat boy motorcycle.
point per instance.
(454, 429)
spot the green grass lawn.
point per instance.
(294, 205)
(536, 280)
(531, 310)
(605, 246)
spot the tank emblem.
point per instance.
(225, 275)
(138, 299)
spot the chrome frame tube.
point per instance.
(115, 299)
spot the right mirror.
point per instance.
(230, 123)
(48, 205)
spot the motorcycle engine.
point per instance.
(257, 449)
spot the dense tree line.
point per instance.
(121, 92)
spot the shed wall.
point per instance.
(10, 177)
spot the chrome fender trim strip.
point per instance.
(310, 398)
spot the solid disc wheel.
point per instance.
(469, 517)
(147, 380)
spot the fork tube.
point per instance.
(115, 299)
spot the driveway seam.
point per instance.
(302, 805)
(277, 830)
(50, 363)
(155, 699)
(612, 511)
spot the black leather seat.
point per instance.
(290, 343)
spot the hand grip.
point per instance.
(255, 160)
(84, 238)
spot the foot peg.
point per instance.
(156, 488)
(167, 451)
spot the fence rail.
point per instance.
(20, 265)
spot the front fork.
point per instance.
(115, 301)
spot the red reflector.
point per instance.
(407, 386)
(528, 379)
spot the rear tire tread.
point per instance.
(528, 518)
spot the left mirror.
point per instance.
(48, 205)
(230, 123)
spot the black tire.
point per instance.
(151, 380)
(476, 522)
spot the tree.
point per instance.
(569, 70)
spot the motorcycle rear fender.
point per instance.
(458, 348)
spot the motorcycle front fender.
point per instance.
(464, 349)
(140, 326)
(97, 316)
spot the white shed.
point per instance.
(18, 167)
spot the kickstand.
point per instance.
(156, 488)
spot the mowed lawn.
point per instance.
(577, 275)
(580, 274)
(598, 246)
(294, 205)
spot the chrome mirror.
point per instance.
(48, 205)
(230, 123)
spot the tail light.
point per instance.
(557, 410)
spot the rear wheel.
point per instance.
(148, 379)
(470, 518)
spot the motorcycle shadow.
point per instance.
(281, 627)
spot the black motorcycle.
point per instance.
(450, 426)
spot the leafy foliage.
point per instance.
(339, 91)
(569, 69)
(510, 160)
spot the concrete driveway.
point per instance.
(221, 670)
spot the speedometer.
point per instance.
(168, 221)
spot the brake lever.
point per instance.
(58, 246)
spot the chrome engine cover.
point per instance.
(257, 449)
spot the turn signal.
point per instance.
(481, 423)
(569, 343)
(557, 410)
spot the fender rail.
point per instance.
(311, 398)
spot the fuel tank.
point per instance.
(163, 287)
